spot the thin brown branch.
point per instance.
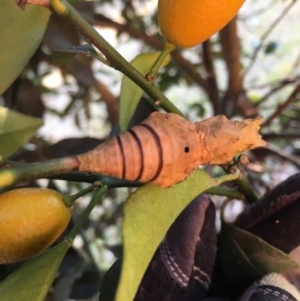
(276, 82)
(266, 35)
(213, 89)
(257, 12)
(231, 53)
(293, 96)
(287, 136)
(296, 64)
(110, 100)
(283, 155)
(279, 85)
(235, 97)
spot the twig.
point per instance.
(296, 63)
(294, 95)
(280, 85)
(231, 53)
(258, 12)
(186, 66)
(213, 89)
(288, 136)
(276, 82)
(283, 155)
(85, 177)
(114, 59)
(28, 172)
(110, 100)
(265, 36)
(235, 98)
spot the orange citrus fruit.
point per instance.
(31, 219)
(186, 23)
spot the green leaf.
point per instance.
(245, 257)
(15, 130)
(131, 93)
(148, 214)
(20, 35)
(33, 280)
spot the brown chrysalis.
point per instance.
(166, 148)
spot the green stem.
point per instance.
(246, 189)
(70, 199)
(115, 60)
(13, 163)
(242, 183)
(228, 178)
(228, 192)
(95, 199)
(86, 177)
(168, 48)
(11, 176)
(224, 204)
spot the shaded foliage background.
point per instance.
(250, 68)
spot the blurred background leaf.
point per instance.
(15, 130)
(19, 28)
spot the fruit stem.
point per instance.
(114, 59)
(168, 48)
(70, 199)
(95, 199)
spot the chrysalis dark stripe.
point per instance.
(122, 156)
(159, 149)
(140, 147)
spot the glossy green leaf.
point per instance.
(148, 214)
(130, 92)
(15, 130)
(245, 257)
(20, 35)
(33, 280)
